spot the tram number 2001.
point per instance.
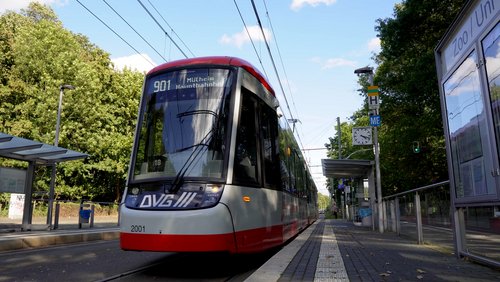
(137, 228)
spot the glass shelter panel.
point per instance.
(468, 131)
(491, 50)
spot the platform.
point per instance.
(329, 250)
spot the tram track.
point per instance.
(128, 273)
(198, 267)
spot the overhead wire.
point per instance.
(147, 42)
(274, 65)
(171, 29)
(112, 30)
(280, 57)
(282, 64)
(166, 33)
(251, 40)
(271, 57)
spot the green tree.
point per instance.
(409, 93)
(98, 117)
(323, 201)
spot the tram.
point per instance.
(214, 165)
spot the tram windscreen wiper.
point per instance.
(189, 147)
(197, 112)
(179, 177)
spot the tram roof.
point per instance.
(28, 150)
(217, 60)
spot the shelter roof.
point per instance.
(346, 168)
(28, 150)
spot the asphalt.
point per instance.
(329, 250)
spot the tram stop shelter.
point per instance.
(36, 154)
(357, 169)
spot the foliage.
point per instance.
(409, 91)
(323, 201)
(98, 117)
(409, 94)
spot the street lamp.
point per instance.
(56, 143)
(369, 71)
(61, 92)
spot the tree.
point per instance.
(409, 94)
(408, 85)
(323, 201)
(98, 117)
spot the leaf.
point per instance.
(421, 271)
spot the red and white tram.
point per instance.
(214, 167)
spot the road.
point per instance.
(105, 261)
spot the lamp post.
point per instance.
(369, 71)
(56, 143)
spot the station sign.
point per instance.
(373, 97)
(372, 90)
(375, 120)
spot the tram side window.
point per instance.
(245, 162)
(268, 133)
(284, 156)
(299, 172)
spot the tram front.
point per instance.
(177, 169)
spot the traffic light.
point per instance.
(416, 147)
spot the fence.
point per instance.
(426, 214)
(67, 215)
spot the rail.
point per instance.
(428, 209)
(392, 212)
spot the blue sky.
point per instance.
(321, 43)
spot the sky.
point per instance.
(315, 44)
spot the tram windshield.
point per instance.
(183, 124)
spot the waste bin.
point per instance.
(366, 216)
(85, 216)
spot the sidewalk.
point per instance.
(329, 250)
(336, 250)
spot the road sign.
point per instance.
(372, 90)
(373, 102)
(375, 120)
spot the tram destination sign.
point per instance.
(195, 79)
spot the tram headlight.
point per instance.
(212, 195)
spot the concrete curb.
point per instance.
(31, 241)
(275, 266)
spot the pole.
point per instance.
(56, 143)
(369, 71)
(339, 133)
(377, 171)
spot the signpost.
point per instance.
(373, 98)
(375, 120)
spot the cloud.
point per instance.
(374, 45)
(298, 4)
(17, 5)
(333, 63)
(241, 38)
(134, 62)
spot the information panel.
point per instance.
(12, 180)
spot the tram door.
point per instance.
(256, 168)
